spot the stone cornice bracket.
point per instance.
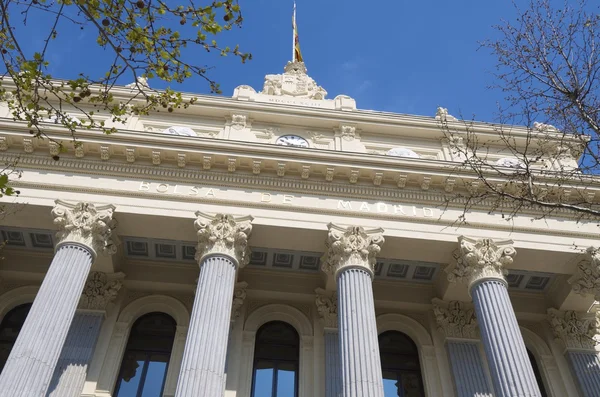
(455, 319)
(223, 234)
(586, 279)
(578, 331)
(239, 296)
(351, 246)
(327, 308)
(85, 224)
(100, 290)
(481, 259)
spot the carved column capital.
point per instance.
(223, 234)
(586, 279)
(327, 308)
(239, 296)
(351, 246)
(481, 259)
(100, 290)
(455, 319)
(575, 330)
(85, 224)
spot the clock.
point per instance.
(292, 140)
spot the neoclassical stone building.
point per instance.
(281, 244)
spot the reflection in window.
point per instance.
(9, 330)
(276, 361)
(400, 366)
(146, 358)
(537, 373)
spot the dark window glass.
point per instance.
(400, 366)
(276, 361)
(9, 330)
(146, 359)
(537, 373)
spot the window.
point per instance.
(276, 361)
(400, 366)
(9, 330)
(146, 359)
(537, 373)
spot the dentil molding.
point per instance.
(223, 234)
(351, 246)
(455, 319)
(100, 290)
(327, 307)
(86, 224)
(575, 330)
(586, 279)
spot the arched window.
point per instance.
(537, 373)
(276, 361)
(400, 365)
(9, 330)
(146, 357)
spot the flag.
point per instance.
(297, 53)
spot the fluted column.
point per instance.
(457, 322)
(84, 229)
(71, 370)
(578, 333)
(222, 248)
(327, 308)
(350, 258)
(481, 265)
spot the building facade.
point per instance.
(281, 244)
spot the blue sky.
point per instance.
(397, 56)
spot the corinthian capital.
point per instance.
(86, 224)
(351, 246)
(481, 259)
(575, 330)
(223, 234)
(455, 319)
(586, 280)
(100, 290)
(327, 307)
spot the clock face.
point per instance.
(292, 140)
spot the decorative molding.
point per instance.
(79, 150)
(130, 155)
(104, 153)
(481, 259)
(354, 174)
(305, 172)
(329, 174)
(327, 307)
(54, 148)
(401, 180)
(348, 132)
(455, 319)
(27, 145)
(239, 295)
(239, 121)
(155, 157)
(426, 183)
(206, 162)
(223, 234)
(181, 160)
(231, 164)
(3, 144)
(449, 185)
(281, 169)
(586, 279)
(100, 290)
(352, 246)
(256, 165)
(86, 224)
(575, 330)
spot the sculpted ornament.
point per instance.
(86, 224)
(455, 320)
(293, 82)
(352, 246)
(100, 290)
(481, 259)
(239, 295)
(223, 234)
(327, 308)
(587, 278)
(575, 330)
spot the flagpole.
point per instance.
(294, 34)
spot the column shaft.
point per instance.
(71, 369)
(586, 366)
(203, 366)
(511, 371)
(359, 347)
(467, 370)
(333, 370)
(31, 363)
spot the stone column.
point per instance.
(84, 229)
(327, 308)
(457, 322)
(71, 370)
(578, 333)
(222, 248)
(350, 258)
(481, 264)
